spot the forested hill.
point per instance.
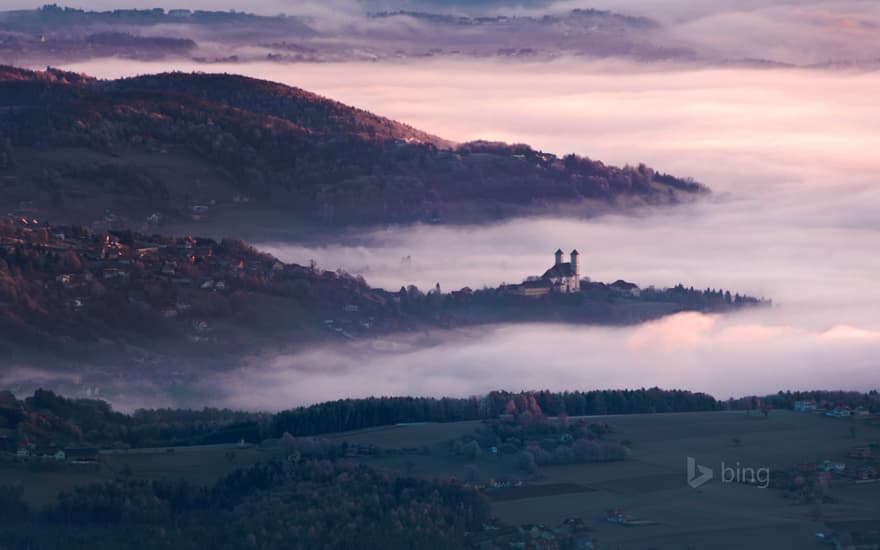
(122, 295)
(201, 148)
(316, 114)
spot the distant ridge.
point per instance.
(177, 147)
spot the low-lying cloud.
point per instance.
(791, 155)
(726, 356)
(798, 32)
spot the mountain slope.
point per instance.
(308, 110)
(181, 147)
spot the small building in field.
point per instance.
(805, 405)
(625, 288)
(81, 455)
(838, 412)
(833, 467)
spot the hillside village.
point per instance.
(88, 285)
(66, 287)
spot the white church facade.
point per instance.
(562, 277)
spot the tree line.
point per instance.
(281, 503)
(50, 419)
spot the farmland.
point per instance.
(650, 486)
(199, 465)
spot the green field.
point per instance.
(201, 465)
(650, 486)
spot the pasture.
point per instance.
(651, 485)
(200, 465)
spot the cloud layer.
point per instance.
(790, 153)
(724, 356)
(800, 32)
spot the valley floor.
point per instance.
(650, 488)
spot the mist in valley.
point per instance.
(705, 32)
(789, 153)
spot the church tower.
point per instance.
(576, 268)
(559, 255)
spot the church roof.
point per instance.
(558, 271)
(540, 283)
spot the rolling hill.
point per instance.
(175, 147)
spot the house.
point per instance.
(57, 455)
(626, 288)
(63, 279)
(81, 455)
(805, 406)
(564, 276)
(462, 293)
(838, 412)
(23, 452)
(534, 289)
(833, 467)
(145, 250)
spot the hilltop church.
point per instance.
(564, 276)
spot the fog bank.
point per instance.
(790, 154)
(733, 356)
